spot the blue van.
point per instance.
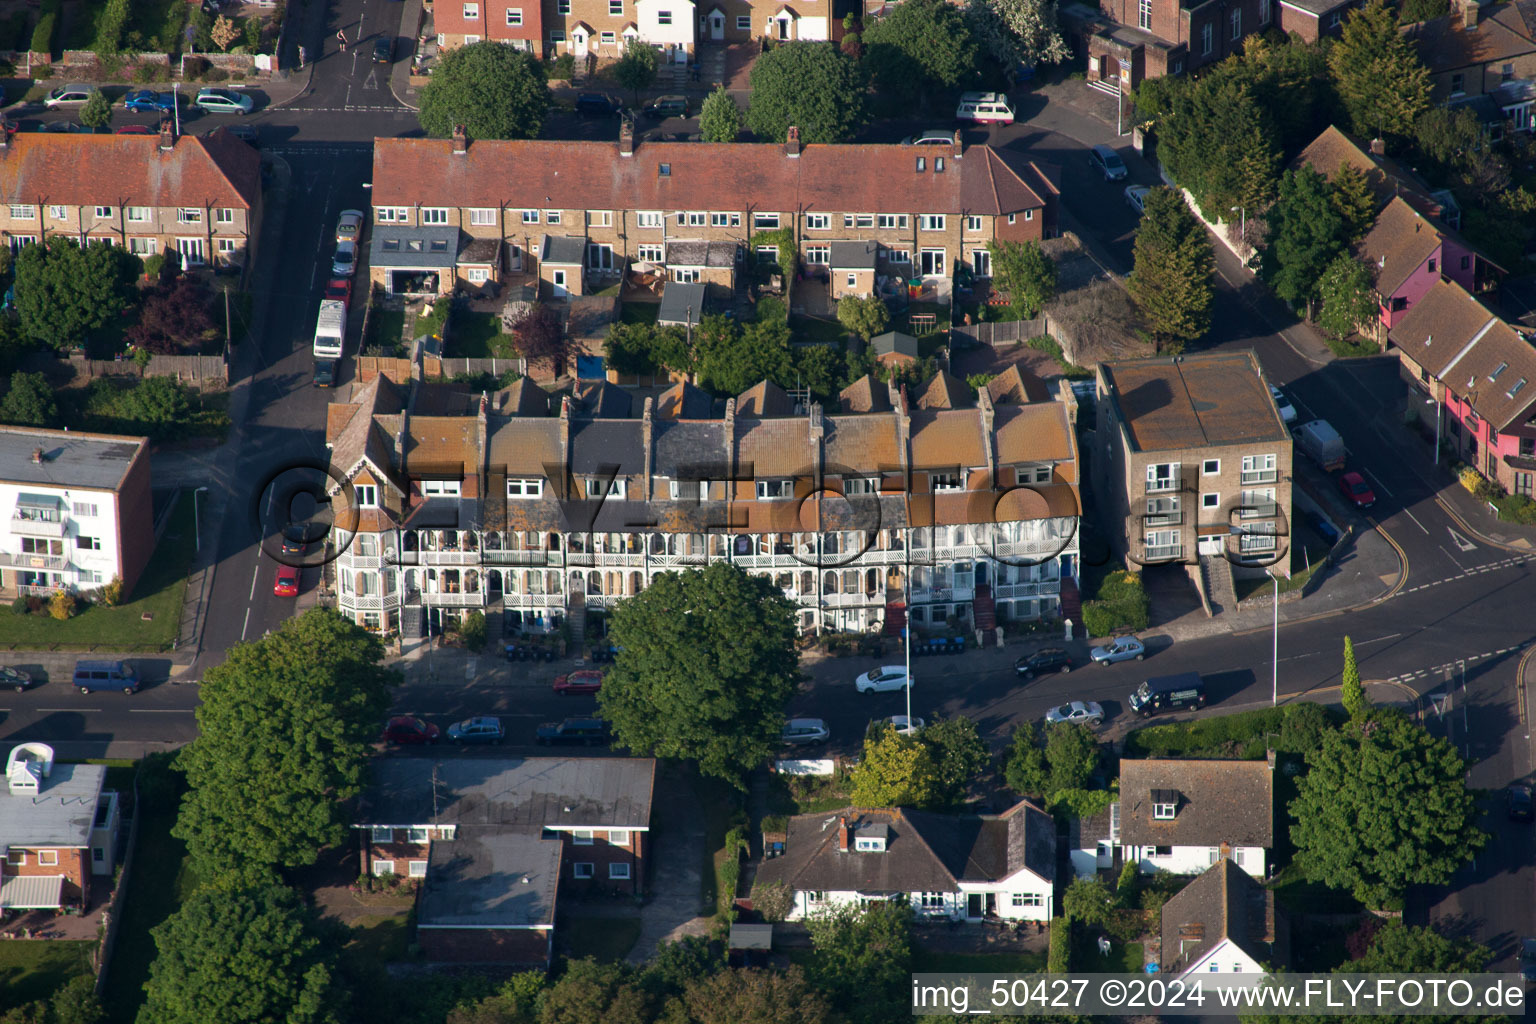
(105, 675)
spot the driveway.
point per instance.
(677, 857)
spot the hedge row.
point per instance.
(1295, 728)
(1059, 959)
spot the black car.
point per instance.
(295, 539)
(15, 678)
(1047, 659)
(585, 731)
(325, 373)
(595, 104)
(384, 50)
(1517, 799)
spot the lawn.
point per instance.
(1348, 348)
(382, 938)
(605, 938)
(1124, 958)
(478, 336)
(159, 593)
(1300, 896)
(387, 327)
(639, 312)
(35, 970)
(806, 794)
(977, 963)
(815, 330)
(1309, 552)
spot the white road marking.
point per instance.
(83, 711)
(1460, 541)
(1379, 484)
(1374, 640)
(1416, 522)
(254, 574)
(247, 624)
(371, 83)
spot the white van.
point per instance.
(330, 329)
(984, 108)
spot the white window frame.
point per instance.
(892, 221)
(527, 487)
(530, 216)
(981, 262)
(765, 221)
(383, 867)
(57, 212)
(1164, 812)
(367, 495)
(650, 252)
(1210, 499)
(1144, 15)
(931, 222)
(972, 222)
(417, 868)
(23, 211)
(693, 218)
(817, 255)
(687, 490)
(858, 220)
(618, 871)
(514, 17)
(1210, 467)
(47, 858)
(441, 488)
(595, 487)
(582, 837)
(189, 215)
(599, 218)
(583, 869)
(1237, 24)
(418, 835)
(104, 211)
(902, 256)
(434, 216)
(1207, 39)
(663, 17)
(648, 219)
(726, 220)
(687, 275)
(482, 216)
(1026, 899)
(743, 23)
(618, 837)
(777, 489)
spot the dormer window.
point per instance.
(597, 487)
(1034, 473)
(946, 481)
(853, 485)
(870, 844)
(688, 490)
(525, 487)
(774, 490)
(1165, 804)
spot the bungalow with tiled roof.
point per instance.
(961, 866)
(196, 196)
(1223, 922)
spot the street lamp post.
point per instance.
(1274, 656)
(197, 519)
(1242, 221)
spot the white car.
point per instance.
(805, 730)
(75, 94)
(1287, 410)
(884, 679)
(1086, 712)
(223, 101)
(901, 723)
(349, 225)
(1136, 195)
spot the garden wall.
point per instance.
(113, 913)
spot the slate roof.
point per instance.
(697, 446)
(682, 304)
(71, 458)
(59, 814)
(1503, 31)
(1397, 245)
(1224, 902)
(700, 176)
(1192, 401)
(565, 250)
(395, 245)
(853, 255)
(892, 343)
(700, 253)
(487, 879)
(532, 792)
(597, 446)
(1218, 802)
(42, 168)
(360, 434)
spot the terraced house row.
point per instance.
(459, 214)
(547, 506)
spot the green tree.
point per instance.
(755, 996)
(1024, 272)
(676, 965)
(865, 316)
(1171, 280)
(244, 954)
(1376, 69)
(1348, 299)
(29, 401)
(496, 92)
(720, 119)
(1402, 949)
(1014, 32)
(919, 45)
(1088, 900)
(820, 368)
(635, 69)
(1383, 806)
(1447, 137)
(284, 735)
(589, 991)
(1025, 768)
(97, 112)
(706, 662)
(1354, 201)
(1073, 754)
(1413, 11)
(1306, 233)
(1355, 701)
(109, 29)
(515, 1002)
(77, 1003)
(733, 358)
(65, 293)
(896, 771)
(958, 753)
(1220, 143)
(810, 86)
(862, 960)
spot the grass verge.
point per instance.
(35, 970)
(1344, 348)
(159, 593)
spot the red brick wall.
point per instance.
(523, 947)
(1021, 230)
(601, 854)
(73, 865)
(136, 520)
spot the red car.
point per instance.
(1357, 490)
(586, 681)
(340, 288)
(135, 129)
(406, 730)
(287, 581)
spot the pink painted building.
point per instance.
(1408, 254)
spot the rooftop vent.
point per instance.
(37, 455)
(28, 765)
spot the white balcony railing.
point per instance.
(449, 557)
(446, 599)
(1163, 552)
(37, 527)
(1167, 483)
(23, 560)
(366, 561)
(1260, 476)
(1174, 518)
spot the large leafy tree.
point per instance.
(29, 401)
(1220, 143)
(1171, 279)
(720, 118)
(753, 997)
(1447, 137)
(810, 86)
(732, 358)
(175, 318)
(862, 960)
(65, 293)
(242, 954)
(495, 91)
(896, 771)
(1024, 272)
(283, 740)
(1306, 233)
(589, 991)
(921, 44)
(865, 316)
(706, 662)
(636, 68)
(1380, 80)
(1348, 298)
(959, 754)
(1384, 805)
(1017, 31)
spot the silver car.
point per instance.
(75, 94)
(348, 225)
(805, 730)
(901, 723)
(1126, 648)
(1087, 712)
(224, 101)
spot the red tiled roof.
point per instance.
(703, 176)
(40, 168)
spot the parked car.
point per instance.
(134, 129)
(349, 224)
(1047, 659)
(664, 107)
(984, 108)
(1136, 195)
(483, 729)
(588, 680)
(936, 137)
(295, 539)
(14, 678)
(408, 730)
(224, 101)
(338, 289)
(325, 373)
(1517, 800)
(901, 723)
(344, 261)
(1357, 490)
(148, 101)
(105, 675)
(287, 584)
(884, 679)
(1086, 712)
(805, 730)
(1108, 162)
(76, 94)
(68, 128)
(595, 104)
(1180, 692)
(1283, 404)
(584, 731)
(1125, 648)
(384, 50)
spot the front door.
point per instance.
(579, 43)
(933, 262)
(784, 28)
(973, 904)
(557, 279)
(680, 54)
(1210, 545)
(716, 26)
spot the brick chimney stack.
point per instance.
(959, 144)
(626, 136)
(792, 143)
(460, 139)
(842, 833)
(167, 135)
(1470, 11)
